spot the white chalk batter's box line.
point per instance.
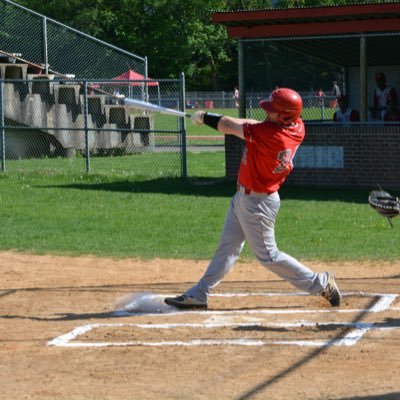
(349, 339)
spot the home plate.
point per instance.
(164, 326)
(143, 302)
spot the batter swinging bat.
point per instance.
(142, 105)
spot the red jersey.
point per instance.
(268, 154)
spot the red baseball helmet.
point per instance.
(285, 102)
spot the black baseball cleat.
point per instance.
(331, 292)
(185, 301)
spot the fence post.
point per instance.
(2, 130)
(146, 76)
(242, 88)
(251, 104)
(86, 118)
(45, 48)
(182, 103)
(322, 109)
(363, 79)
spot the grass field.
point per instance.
(165, 122)
(136, 167)
(109, 215)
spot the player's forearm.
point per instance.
(231, 126)
(234, 126)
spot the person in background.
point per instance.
(393, 112)
(236, 97)
(269, 148)
(383, 96)
(118, 98)
(345, 114)
(335, 92)
(320, 97)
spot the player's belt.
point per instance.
(248, 192)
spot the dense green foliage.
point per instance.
(175, 35)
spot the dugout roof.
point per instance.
(302, 24)
(371, 32)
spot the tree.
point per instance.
(174, 35)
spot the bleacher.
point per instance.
(55, 105)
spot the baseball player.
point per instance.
(383, 96)
(266, 162)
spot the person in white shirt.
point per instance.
(383, 96)
(345, 114)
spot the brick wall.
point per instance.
(337, 156)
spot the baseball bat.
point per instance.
(142, 105)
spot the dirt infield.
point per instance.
(61, 337)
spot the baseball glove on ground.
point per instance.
(385, 204)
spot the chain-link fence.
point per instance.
(61, 106)
(50, 46)
(85, 126)
(321, 68)
(316, 103)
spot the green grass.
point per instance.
(135, 167)
(167, 127)
(166, 122)
(109, 215)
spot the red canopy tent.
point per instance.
(137, 80)
(135, 76)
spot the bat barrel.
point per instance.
(142, 105)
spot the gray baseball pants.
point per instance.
(252, 218)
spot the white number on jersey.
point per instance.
(285, 158)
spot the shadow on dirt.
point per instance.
(262, 388)
(67, 316)
(388, 396)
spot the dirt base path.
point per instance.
(61, 337)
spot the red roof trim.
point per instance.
(293, 13)
(316, 28)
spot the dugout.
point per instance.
(306, 48)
